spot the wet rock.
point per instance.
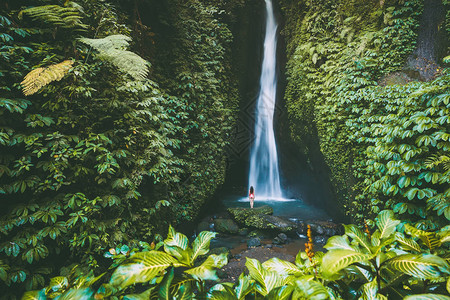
(320, 240)
(280, 239)
(218, 251)
(241, 215)
(202, 226)
(253, 242)
(317, 229)
(269, 246)
(283, 237)
(243, 231)
(278, 223)
(226, 226)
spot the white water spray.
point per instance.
(264, 173)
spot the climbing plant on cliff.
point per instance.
(91, 150)
(338, 64)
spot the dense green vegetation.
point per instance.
(93, 151)
(394, 261)
(384, 139)
(114, 117)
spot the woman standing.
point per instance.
(251, 196)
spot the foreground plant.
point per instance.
(145, 274)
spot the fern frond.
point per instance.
(117, 41)
(437, 159)
(65, 17)
(113, 49)
(40, 77)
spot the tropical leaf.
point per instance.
(244, 286)
(308, 288)
(282, 267)
(337, 259)
(358, 235)
(266, 280)
(176, 239)
(65, 17)
(184, 291)
(407, 244)
(79, 294)
(370, 292)
(430, 239)
(280, 293)
(164, 292)
(206, 271)
(57, 283)
(112, 49)
(34, 295)
(427, 297)
(142, 267)
(423, 266)
(142, 296)
(221, 295)
(386, 223)
(200, 246)
(40, 77)
(338, 242)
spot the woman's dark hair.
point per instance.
(251, 190)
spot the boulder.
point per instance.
(278, 223)
(203, 226)
(254, 242)
(241, 214)
(226, 226)
(281, 238)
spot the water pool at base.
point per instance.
(289, 208)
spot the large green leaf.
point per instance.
(280, 293)
(337, 259)
(142, 267)
(176, 239)
(79, 294)
(307, 287)
(386, 223)
(358, 235)
(427, 297)
(422, 266)
(338, 242)
(200, 246)
(59, 282)
(184, 291)
(164, 292)
(221, 295)
(34, 295)
(282, 267)
(183, 256)
(207, 270)
(244, 286)
(370, 292)
(142, 296)
(407, 244)
(430, 239)
(266, 280)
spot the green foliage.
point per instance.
(384, 143)
(151, 272)
(105, 156)
(113, 49)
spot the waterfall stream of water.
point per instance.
(264, 172)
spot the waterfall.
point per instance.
(264, 174)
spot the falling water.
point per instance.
(264, 175)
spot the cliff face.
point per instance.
(347, 68)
